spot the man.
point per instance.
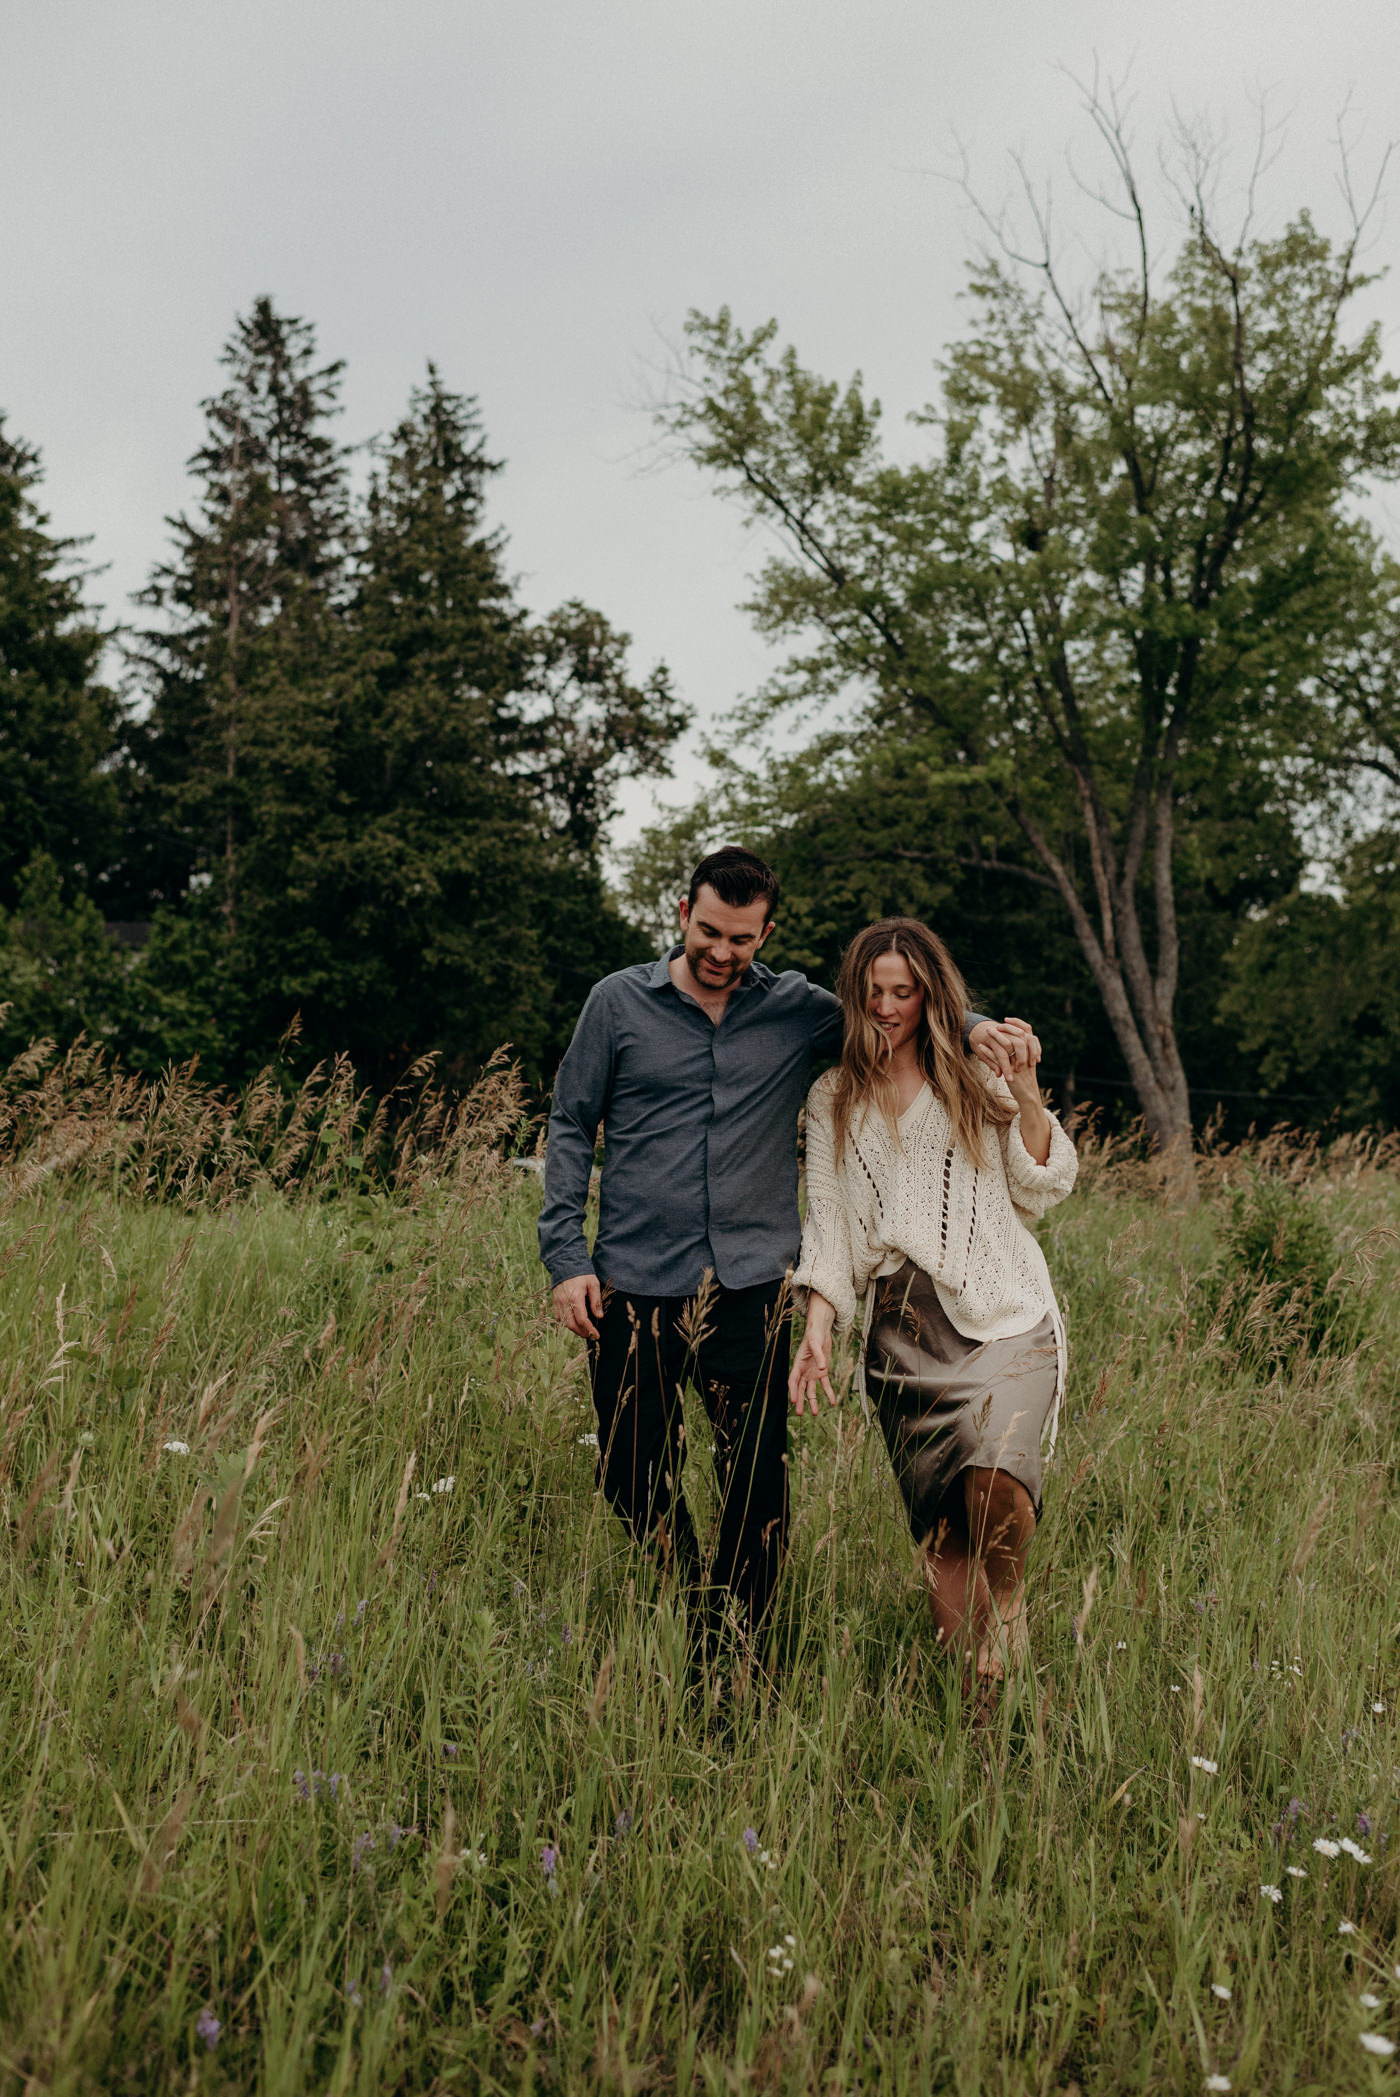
(696, 1065)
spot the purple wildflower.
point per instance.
(354, 1996)
(386, 1978)
(336, 1781)
(208, 2027)
(1363, 1823)
(549, 1860)
(340, 1621)
(537, 2028)
(335, 1663)
(360, 1609)
(451, 1750)
(750, 1841)
(363, 1843)
(395, 1834)
(567, 1636)
(517, 1589)
(622, 1824)
(300, 1780)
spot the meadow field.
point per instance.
(348, 1747)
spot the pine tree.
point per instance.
(242, 666)
(439, 856)
(480, 757)
(58, 722)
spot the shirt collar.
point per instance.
(755, 977)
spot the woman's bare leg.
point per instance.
(957, 1587)
(1000, 1525)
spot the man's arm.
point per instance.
(1005, 1047)
(581, 1092)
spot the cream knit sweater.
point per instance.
(923, 1199)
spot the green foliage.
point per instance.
(1280, 1284)
(487, 1673)
(60, 974)
(1311, 984)
(58, 723)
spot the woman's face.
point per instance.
(896, 1000)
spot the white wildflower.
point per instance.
(176, 1448)
(1378, 1707)
(791, 1943)
(588, 1441)
(1325, 1848)
(1354, 1849)
(1122, 1645)
(1219, 1988)
(1374, 2042)
(1346, 1929)
(1370, 2002)
(444, 1485)
(1217, 2082)
(1295, 1871)
(1204, 1762)
(422, 1496)
(1176, 1689)
(1273, 1893)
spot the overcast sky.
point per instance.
(533, 192)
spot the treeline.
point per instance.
(1106, 686)
(343, 784)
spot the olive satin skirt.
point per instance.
(945, 1402)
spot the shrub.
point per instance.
(1278, 1285)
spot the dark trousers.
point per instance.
(732, 1345)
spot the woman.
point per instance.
(921, 1173)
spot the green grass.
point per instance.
(488, 1671)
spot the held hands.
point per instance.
(1008, 1047)
(578, 1302)
(1012, 1050)
(812, 1365)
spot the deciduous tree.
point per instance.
(1123, 566)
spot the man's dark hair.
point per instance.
(738, 878)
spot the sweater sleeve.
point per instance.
(825, 1263)
(1036, 1188)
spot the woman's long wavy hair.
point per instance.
(863, 1075)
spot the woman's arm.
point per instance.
(1024, 1088)
(825, 1265)
(1039, 1158)
(812, 1366)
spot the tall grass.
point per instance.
(352, 1749)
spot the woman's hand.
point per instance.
(1035, 1122)
(812, 1366)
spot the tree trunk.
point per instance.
(1147, 1036)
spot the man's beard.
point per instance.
(716, 980)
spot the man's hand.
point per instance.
(577, 1302)
(1006, 1048)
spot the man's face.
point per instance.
(720, 941)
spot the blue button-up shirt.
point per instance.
(699, 1130)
